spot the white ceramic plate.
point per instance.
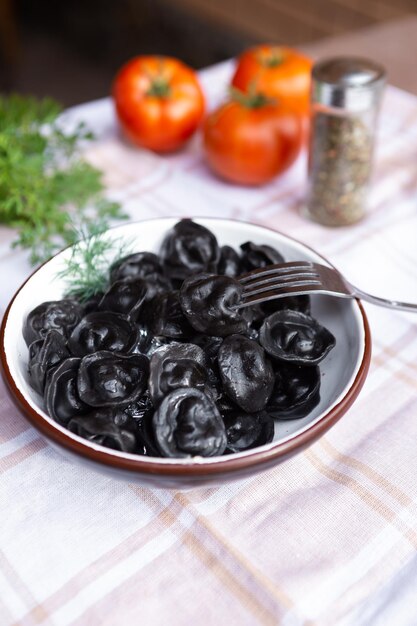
(343, 370)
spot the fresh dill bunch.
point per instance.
(44, 182)
(86, 273)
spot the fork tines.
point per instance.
(282, 276)
(278, 269)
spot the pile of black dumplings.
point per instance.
(164, 363)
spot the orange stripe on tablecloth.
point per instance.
(245, 595)
(360, 590)
(405, 340)
(377, 227)
(399, 374)
(374, 476)
(105, 605)
(370, 579)
(247, 599)
(104, 563)
(201, 495)
(394, 354)
(409, 334)
(105, 611)
(373, 399)
(7, 438)
(356, 234)
(238, 557)
(166, 518)
(365, 495)
(16, 457)
(39, 612)
(378, 360)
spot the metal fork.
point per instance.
(303, 277)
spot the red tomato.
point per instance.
(250, 140)
(278, 72)
(159, 102)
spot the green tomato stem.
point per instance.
(159, 88)
(252, 99)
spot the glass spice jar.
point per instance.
(345, 98)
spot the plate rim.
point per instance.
(199, 466)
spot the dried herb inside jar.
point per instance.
(339, 167)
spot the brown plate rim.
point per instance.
(223, 465)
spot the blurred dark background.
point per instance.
(71, 50)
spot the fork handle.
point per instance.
(389, 304)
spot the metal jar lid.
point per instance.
(351, 83)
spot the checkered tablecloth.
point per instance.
(327, 538)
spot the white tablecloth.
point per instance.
(328, 537)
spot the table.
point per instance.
(371, 42)
(328, 537)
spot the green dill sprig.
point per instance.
(86, 271)
(44, 182)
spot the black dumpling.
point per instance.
(109, 379)
(209, 343)
(60, 315)
(210, 304)
(246, 373)
(187, 423)
(102, 330)
(247, 430)
(255, 256)
(229, 263)
(254, 315)
(189, 249)
(137, 409)
(105, 428)
(225, 404)
(141, 412)
(146, 430)
(136, 265)
(295, 338)
(178, 365)
(143, 341)
(61, 392)
(44, 354)
(294, 303)
(92, 303)
(296, 392)
(145, 265)
(125, 296)
(164, 316)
